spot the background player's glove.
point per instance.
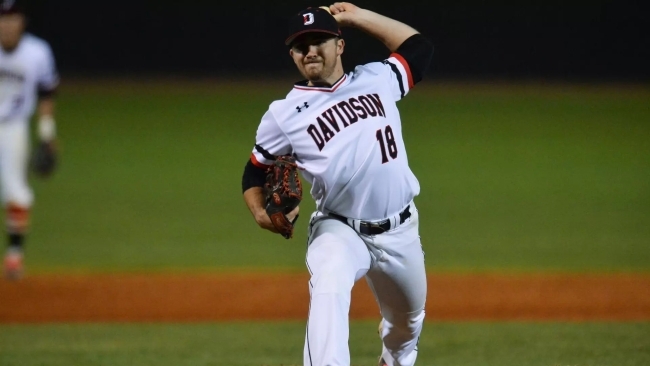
(283, 193)
(44, 159)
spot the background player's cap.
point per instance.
(312, 20)
(10, 7)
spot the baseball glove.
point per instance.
(44, 159)
(283, 193)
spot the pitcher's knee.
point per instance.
(406, 325)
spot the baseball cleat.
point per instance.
(382, 362)
(13, 265)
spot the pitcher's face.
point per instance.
(316, 55)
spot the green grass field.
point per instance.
(275, 344)
(514, 178)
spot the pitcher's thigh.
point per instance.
(336, 256)
(399, 282)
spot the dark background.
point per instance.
(564, 40)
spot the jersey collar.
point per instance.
(302, 85)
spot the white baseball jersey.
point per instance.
(28, 68)
(347, 140)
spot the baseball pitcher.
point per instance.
(343, 132)
(28, 79)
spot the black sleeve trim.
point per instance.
(399, 77)
(267, 155)
(253, 176)
(417, 50)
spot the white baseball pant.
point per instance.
(14, 157)
(393, 264)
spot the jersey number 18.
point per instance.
(389, 142)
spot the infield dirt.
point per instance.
(276, 296)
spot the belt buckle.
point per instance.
(377, 226)
(374, 224)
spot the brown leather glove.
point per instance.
(283, 193)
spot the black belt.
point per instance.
(376, 227)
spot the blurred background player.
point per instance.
(28, 79)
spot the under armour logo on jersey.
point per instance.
(308, 18)
(299, 108)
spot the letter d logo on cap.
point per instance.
(308, 18)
